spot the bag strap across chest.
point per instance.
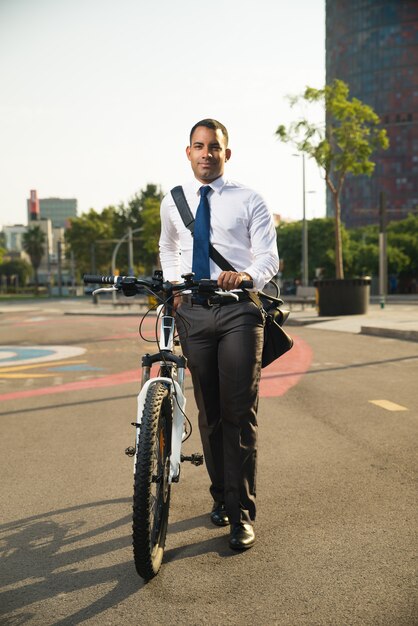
(188, 220)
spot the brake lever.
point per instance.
(226, 294)
(102, 289)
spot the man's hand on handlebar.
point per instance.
(232, 280)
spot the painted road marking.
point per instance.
(130, 376)
(4, 355)
(17, 368)
(37, 354)
(389, 406)
(284, 373)
(276, 379)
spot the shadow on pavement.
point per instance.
(33, 550)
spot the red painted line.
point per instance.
(123, 336)
(129, 376)
(276, 379)
(286, 372)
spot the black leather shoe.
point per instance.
(218, 515)
(242, 536)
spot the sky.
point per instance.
(98, 96)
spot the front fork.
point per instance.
(172, 373)
(177, 435)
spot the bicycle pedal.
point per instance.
(130, 451)
(195, 459)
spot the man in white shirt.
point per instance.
(223, 342)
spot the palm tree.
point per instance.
(33, 244)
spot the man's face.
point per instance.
(207, 154)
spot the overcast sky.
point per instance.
(98, 96)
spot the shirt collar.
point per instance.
(217, 185)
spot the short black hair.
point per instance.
(213, 125)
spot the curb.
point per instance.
(390, 333)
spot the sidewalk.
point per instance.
(397, 321)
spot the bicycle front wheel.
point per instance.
(151, 500)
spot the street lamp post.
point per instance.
(305, 271)
(127, 236)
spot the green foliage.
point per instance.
(34, 245)
(343, 145)
(149, 237)
(18, 271)
(320, 246)
(403, 235)
(2, 245)
(360, 248)
(93, 236)
(90, 239)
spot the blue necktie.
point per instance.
(201, 236)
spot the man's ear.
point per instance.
(227, 154)
(188, 152)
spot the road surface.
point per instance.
(336, 526)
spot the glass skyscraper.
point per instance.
(372, 45)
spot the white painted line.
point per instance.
(389, 406)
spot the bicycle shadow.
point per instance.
(40, 556)
(35, 549)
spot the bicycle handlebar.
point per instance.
(102, 280)
(157, 284)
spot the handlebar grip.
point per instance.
(247, 284)
(102, 280)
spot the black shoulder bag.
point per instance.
(276, 340)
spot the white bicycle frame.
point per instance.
(178, 434)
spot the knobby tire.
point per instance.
(151, 500)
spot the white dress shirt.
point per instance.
(241, 229)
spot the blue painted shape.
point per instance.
(25, 353)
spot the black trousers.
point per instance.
(223, 345)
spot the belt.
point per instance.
(215, 300)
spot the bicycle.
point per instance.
(161, 424)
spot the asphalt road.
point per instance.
(336, 526)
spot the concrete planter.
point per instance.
(347, 296)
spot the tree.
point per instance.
(142, 212)
(93, 236)
(33, 244)
(2, 245)
(18, 269)
(149, 236)
(321, 246)
(344, 145)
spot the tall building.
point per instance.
(58, 210)
(372, 45)
(33, 206)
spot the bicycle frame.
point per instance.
(175, 365)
